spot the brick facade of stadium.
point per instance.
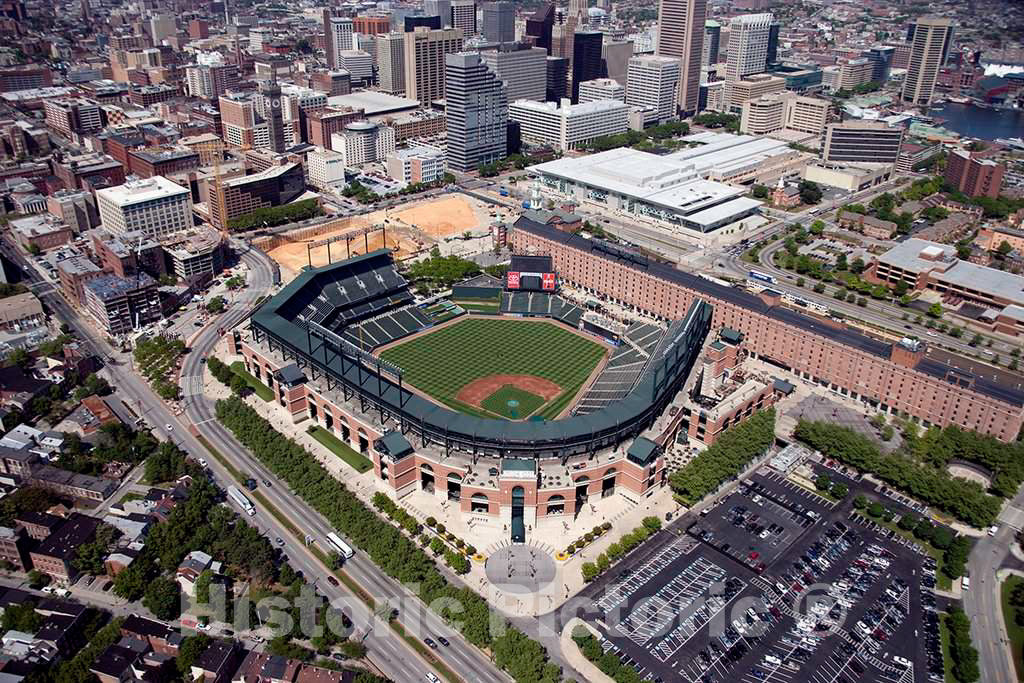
(891, 384)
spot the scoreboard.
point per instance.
(535, 282)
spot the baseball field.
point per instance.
(499, 367)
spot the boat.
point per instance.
(1017, 143)
(959, 100)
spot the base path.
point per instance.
(479, 389)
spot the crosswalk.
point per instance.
(191, 385)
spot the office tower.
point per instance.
(577, 11)
(863, 142)
(586, 59)
(653, 81)
(557, 79)
(570, 125)
(974, 175)
(333, 83)
(681, 35)
(70, 116)
(198, 29)
(880, 57)
(329, 40)
(464, 17)
(430, 21)
(269, 106)
(211, 77)
(477, 111)
(371, 26)
(748, 45)
(712, 39)
(601, 89)
(538, 27)
(341, 39)
(441, 8)
(773, 43)
(499, 22)
(391, 63)
(615, 56)
(769, 113)
(155, 206)
(928, 48)
(162, 26)
(522, 70)
(364, 142)
(359, 65)
(424, 62)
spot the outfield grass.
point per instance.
(258, 387)
(524, 402)
(350, 456)
(1015, 632)
(441, 362)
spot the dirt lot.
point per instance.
(411, 229)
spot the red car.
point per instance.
(754, 555)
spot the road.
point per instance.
(983, 602)
(388, 652)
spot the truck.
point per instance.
(239, 499)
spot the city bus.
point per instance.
(342, 548)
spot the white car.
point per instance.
(773, 660)
(992, 530)
(902, 661)
(432, 677)
(966, 583)
(203, 463)
(168, 427)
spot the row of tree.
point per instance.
(726, 458)
(270, 216)
(632, 138)
(965, 500)
(395, 554)
(616, 551)
(608, 662)
(440, 272)
(940, 447)
(961, 650)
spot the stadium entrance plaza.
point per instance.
(528, 580)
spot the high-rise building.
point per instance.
(440, 8)
(425, 51)
(681, 35)
(712, 41)
(567, 126)
(929, 45)
(769, 113)
(653, 81)
(71, 116)
(499, 20)
(522, 70)
(477, 111)
(538, 27)
(155, 207)
(615, 56)
(601, 89)
(341, 30)
(210, 77)
(433, 22)
(274, 186)
(371, 26)
(772, 55)
(359, 65)
(881, 57)
(162, 26)
(577, 11)
(269, 107)
(333, 83)
(329, 38)
(749, 36)
(364, 142)
(323, 124)
(586, 59)
(557, 79)
(863, 142)
(391, 63)
(974, 175)
(464, 17)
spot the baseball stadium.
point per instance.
(525, 382)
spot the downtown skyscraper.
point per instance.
(681, 36)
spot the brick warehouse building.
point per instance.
(888, 377)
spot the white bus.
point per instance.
(344, 549)
(241, 501)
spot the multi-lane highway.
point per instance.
(387, 651)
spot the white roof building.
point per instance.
(570, 125)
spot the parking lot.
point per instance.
(776, 583)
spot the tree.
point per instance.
(935, 310)
(839, 490)
(823, 482)
(353, 649)
(91, 556)
(33, 249)
(1004, 248)
(760, 191)
(216, 305)
(37, 579)
(589, 571)
(20, 357)
(810, 193)
(189, 652)
(858, 266)
(22, 617)
(203, 586)
(163, 598)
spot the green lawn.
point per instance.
(1015, 632)
(352, 458)
(260, 389)
(479, 305)
(512, 403)
(442, 362)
